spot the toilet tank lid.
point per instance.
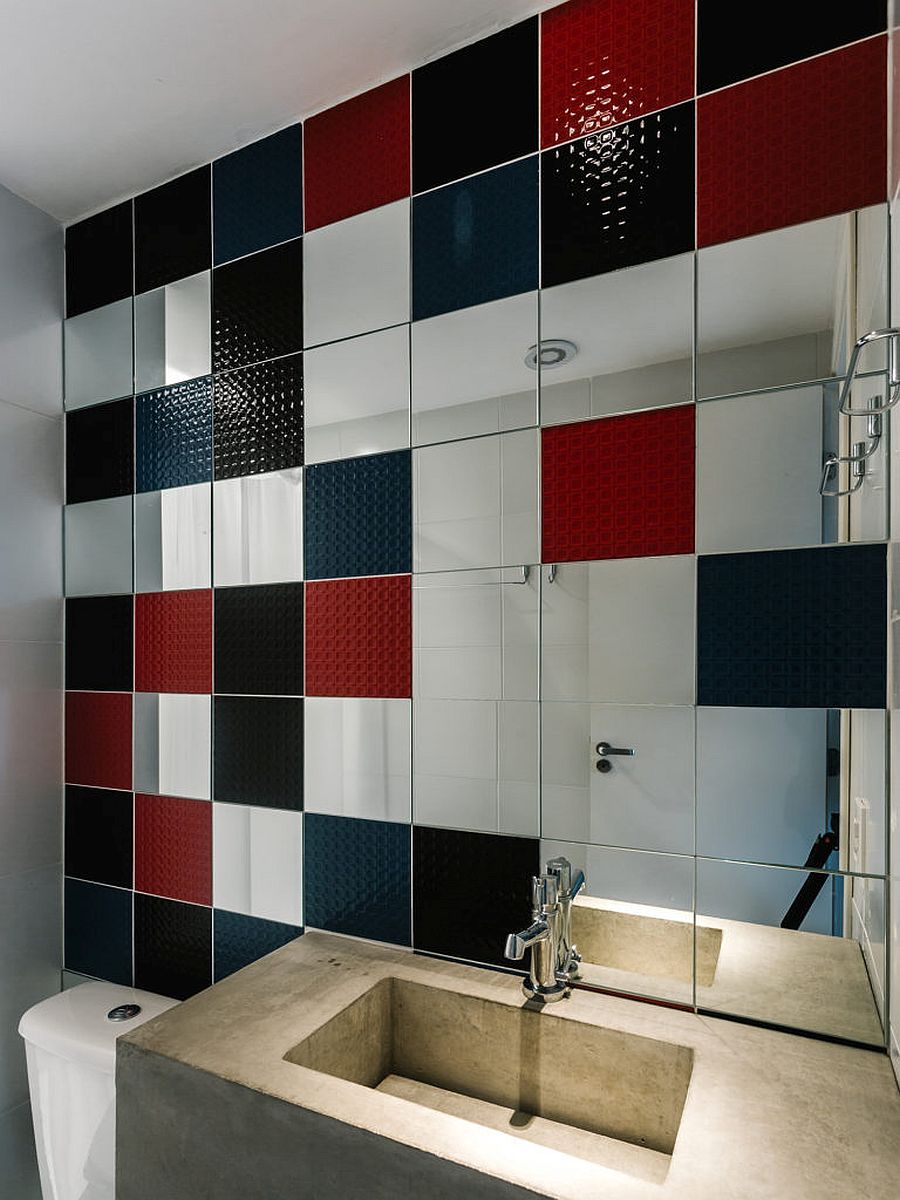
(75, 1024)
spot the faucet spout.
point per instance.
(518, 943)
(542, 939)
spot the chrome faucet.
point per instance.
(544, 981)
(567, 888)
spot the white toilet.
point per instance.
(70, 1045)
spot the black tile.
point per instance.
(258, 751)
(99, 837)
(257, 195)
(777, 34)
(477, 107)
(793, 628)
(99, 644)
(99, 260)
(618, 198)
(259, 639)
(449, 915)
(98, 931)
(172, 947)
(258, 307)
(258, 418)
(241, 940)
(100, 451)
(173, 230)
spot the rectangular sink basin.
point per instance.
(577, 1087)
(646, 945)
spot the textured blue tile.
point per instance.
(239, 940)
(476, 240)
(98, 931)
(257, 195)
(793, 628)
(358, 517)
(356, 877)
(174, 436)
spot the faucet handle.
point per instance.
(544, 892)
(568, 884)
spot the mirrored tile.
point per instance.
(358, 758)
(356, 274)
(259, 528)
(100, 452)
(472, 373)
(99, 265)
(98, 547)
(172, 745)
(172, 539)
(617, 342)
(258, 195)
(475, 503)
(173, 230)
(357, 396)
(257, 307)
(258, 418)
(98, 354)
(257, 862)
(171, 333)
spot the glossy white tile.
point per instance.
(259, 528)
(172, 333)
(257, 862)
(98, 544)
(98, 355)
(357, 758)
(172, 538)
(172, 745)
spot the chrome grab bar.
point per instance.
(858, 456)
(875, 335)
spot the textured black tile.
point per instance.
(100, 451)
(356, 877)
(99, 644)
(173, 230)
(98, 931)
(476, 107)
(358, 518)
(99, 260)
(259, 639)
(241, 940)
(174, 430)
(99, 835)
(619, 197)
(476, 241)
(257, 195)
(258, 307)
(793, 628)
(258, 422)
(776, 35)
(172, 947)
(258, 751)
(449, 915)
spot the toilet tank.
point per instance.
(70, 1046)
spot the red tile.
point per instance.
(606, 61)
(98, 739)
(173, 642)
(895, 110)
(795, 145)
(356, 155)
(621, 487)
(173, 848)
(359, 637)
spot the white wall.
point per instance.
(30, 652)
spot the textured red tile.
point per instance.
(356, 155)
(359, 637)
(606, 61)
(801, 143)
(98, 739)
(173, 642)
(173, 848)
(621, 487)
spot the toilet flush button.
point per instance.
(124, 1012)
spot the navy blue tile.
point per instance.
(174, 436)
(98, 931)
(172, 946)
(358, 517)
(476, 241)
(793, 628)
(356, 877)
(239, 940)
(257, 195)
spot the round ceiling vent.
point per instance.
(553, 352)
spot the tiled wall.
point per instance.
(312, 511)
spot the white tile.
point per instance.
(356, 396)
(357, 758)
(98, 355)
(172, 745)
(759, 464)
(259, 528)
(98, 541)
(620, 631)
(469, 371)
(172, 538)
(172, 333)
(257, 862)
(475, 503)
(356, 274)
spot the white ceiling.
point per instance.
(103, 98)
